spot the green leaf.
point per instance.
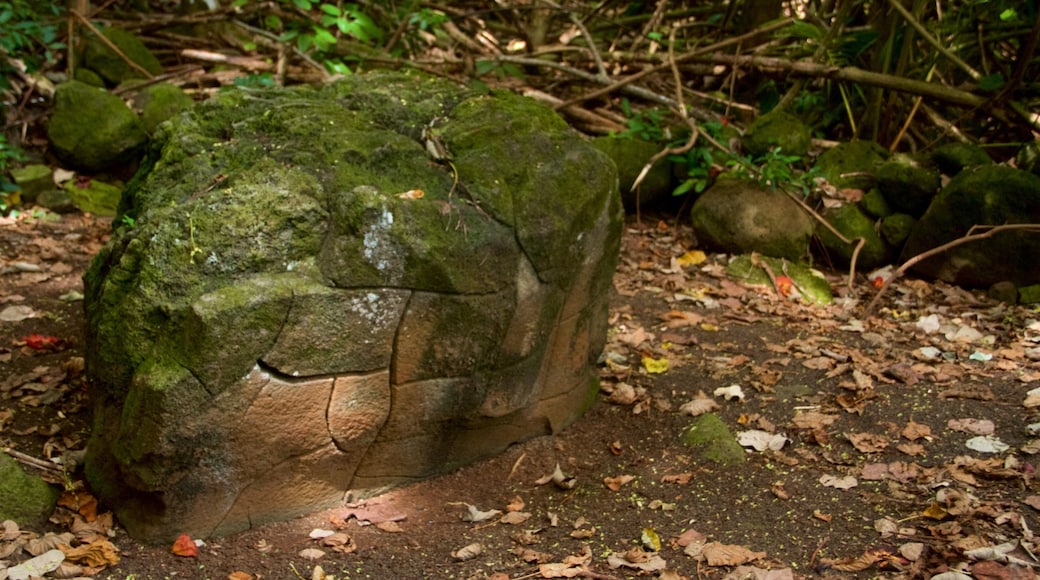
(991, 83)
(323, 39)
(330, 9)
(684, 187)
(1009, 15)
(483, 67)
(303, 4)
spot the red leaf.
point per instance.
(41, 342)
(185, 546)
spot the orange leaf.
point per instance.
(784, 285)
(185, 546)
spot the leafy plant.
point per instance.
(645, 124)
(320, 26)
(8, 189)
(30, 35)
(700, 162)
(774, 170)
(499, 69)
(256, 81)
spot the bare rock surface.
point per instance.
(320, 294)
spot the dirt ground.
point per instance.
(898, 446)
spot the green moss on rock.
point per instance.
(777, 129)
(110, 135)
(710, 438)
(24, 499)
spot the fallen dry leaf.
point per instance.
(868, 442)
(516, 504)
(856, 564)
(972, 426)
(311, 554)
(468, 552)
(678, 478)
(718, 554)
(185, 547)
(97, 554)
(615, 483)
(914, 431)
(474, 514)
(847, 482)
(514, 518)
(390, 527)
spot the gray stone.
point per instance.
(309, 307)
(111, 134)
(25, 499)
(777, 129)
(738, 216)
(985, 195)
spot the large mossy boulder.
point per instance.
(984, 195)
(737, 216)
(110, 135)
(308, 304)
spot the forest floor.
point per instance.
(895, 445)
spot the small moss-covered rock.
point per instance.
(908, 185)
(111, 134)
(852, 164)
(630, 156)
(1003, 291)
(874, 204)
(738, 216)
(951, 158)
(159, 102)
(777, 129)
(98, 57)
(983, 195)
(95, 197)
(896, 228)
(811, 286)
(56, 200)
(853, 224)
(32, 180)
(24, 499)
(1029, 294)
(85, 75)
(710, 438)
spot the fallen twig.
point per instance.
(32, 461)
